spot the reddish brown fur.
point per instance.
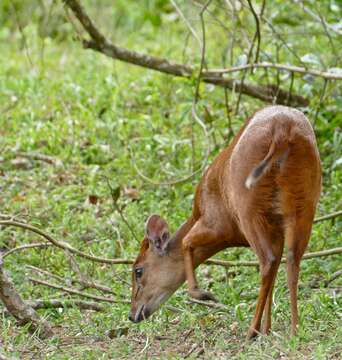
(278, 208)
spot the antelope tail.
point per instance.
(277, 149)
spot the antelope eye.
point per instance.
(165, 236)
(138, 272)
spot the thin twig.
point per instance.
(286, 45)
(266, 65)
(329, 216)
(187, 22)
(321, 98)
(83, 282)
(317, 18)
(196, 98)
(25, 247)
(119, 210)
(333, 277)
(63, 245)
(55, 303)
(257, 35)
(22, 33)
(78, 292)
(211, 304)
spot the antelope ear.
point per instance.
(157, 233)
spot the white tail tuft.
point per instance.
(250, 181)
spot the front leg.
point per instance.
(207, 239)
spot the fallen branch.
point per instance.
(78, 292)
(329, 75)
(23, 312)
(55, 304)
(99, 43)
(41, 157)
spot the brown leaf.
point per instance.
(93, 199)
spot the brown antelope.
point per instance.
(260, 192)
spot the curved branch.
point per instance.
(63, 245)
(24, 247)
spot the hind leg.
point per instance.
(266, 323)
(297, 235)
(260, 238)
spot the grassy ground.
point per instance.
(92, 114)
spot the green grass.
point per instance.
(92, 114)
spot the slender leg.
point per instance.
(268, 273)
(266, 325)
(267, 321)
(199, 236)
(297, 238)
(268, 250)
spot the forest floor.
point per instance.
(87, 115)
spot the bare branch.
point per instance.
(196, 98)
(211, 304)
(257, 35)
(329, 216)
(24, 313)
(321, 99)
(83, 282)
(333, 277)
(119, 209)
(78, 292)
(320, 19)
(99, 43)
(54, 304)
(25, 247)
(63, 245)
(294, 69)
(191, 29)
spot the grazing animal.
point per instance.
(260, 192)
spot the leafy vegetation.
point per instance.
(103, 119)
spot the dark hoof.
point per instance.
(252, 333)
(202, 295)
